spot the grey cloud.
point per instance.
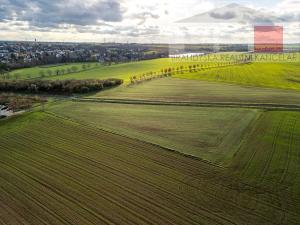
(131, 31)
(45, 13)
(296, 33)
(184, 28)
(16, 23)
(241, 29)
(4, 28)
(97, 30)
(226, 15)
(235, 13)
(146, 31)
(258, 19)
(144, 16)
(290, 17)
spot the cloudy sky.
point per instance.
(150, 21)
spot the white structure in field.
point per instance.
(4, 111)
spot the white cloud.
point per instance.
(125, 20)
(289, 6)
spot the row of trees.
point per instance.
(200, 67)
(151, 75)
(166, 72)
(58, 86)
(63, 71)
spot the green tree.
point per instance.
(3, 69)
(57, 72)
(69, 70)
(181, 69)
(74, 69)
(49, 72)
(42, 73)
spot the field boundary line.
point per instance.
(288, 161)
(251, 129)
(266, 106)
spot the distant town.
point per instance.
(28, 54)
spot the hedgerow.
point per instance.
(58, 86)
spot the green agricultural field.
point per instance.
(97, 71)
(275, 159)
(170, 89)
(208, 133)
(56, 171)
(273, 75)
(49, 70)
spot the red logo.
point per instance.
(268, 39)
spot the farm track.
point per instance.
(289, 151)
(273, 150)
(112, 179)
(263, 106)
(244, 168)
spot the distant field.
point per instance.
(34, 72)
(273, 75)
(170, 89)
(209, 133)
(54, 171)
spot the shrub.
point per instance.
(84, 89)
